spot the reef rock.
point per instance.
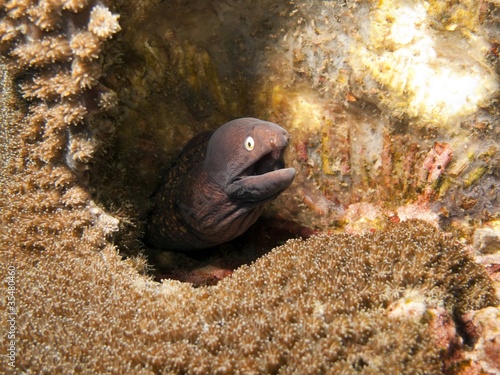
(383, 105)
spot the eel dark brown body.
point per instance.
(217, 187)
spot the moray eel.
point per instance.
(218, 185)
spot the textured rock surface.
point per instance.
(382, 104)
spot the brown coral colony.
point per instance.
(54, 50)
(61, 49)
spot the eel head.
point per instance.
(245, 157)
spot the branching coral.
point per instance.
(331, 304)
(55, 50)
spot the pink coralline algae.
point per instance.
(433, 167)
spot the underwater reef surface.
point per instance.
(391, 302)
(393, 112)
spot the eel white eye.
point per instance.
(249, 143)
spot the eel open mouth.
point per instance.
(269, 162)
(263, 180)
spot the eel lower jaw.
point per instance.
(258, 189)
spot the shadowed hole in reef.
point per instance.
(209, 266)
(189, 67)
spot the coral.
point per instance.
(55, 51)
(396, 122)
(325, 305)
(55, 45)
(432, 84)
(103, 23)
(487, 250)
